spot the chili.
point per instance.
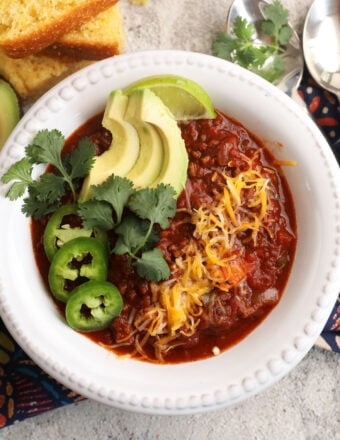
(216, 148)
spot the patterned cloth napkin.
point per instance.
(325, 109)
(26, 390)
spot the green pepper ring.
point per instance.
(62, 269)
(93, 306)
(54, 232)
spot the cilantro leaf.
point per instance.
(46, 148)
(49, 188)
(153, 266)
(243, 30)
(115, 191)
(261, 56)
(267, 27)
(285, 34)
(21, 172)
(107, 198)
(81, 159)
(36, 209)
(245, 57)
(276, 13)
(96, 213)
(274, 71)
(154, 204)
(35, 206)
(224, 45)
(43, 196)
(276, 23)
(131, 234)
(16, 190)
(121, 248)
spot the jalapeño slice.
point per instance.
(58, 230)
(79, 260)
(93, 305)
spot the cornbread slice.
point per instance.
(28, 26)
(33, 75)
(99, 38)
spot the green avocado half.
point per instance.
(9, 111)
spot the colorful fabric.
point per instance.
(325, 109)
(26, 390)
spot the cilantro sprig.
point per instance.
(137, 233)
(241, 47)
(146, 211)
(45, 193)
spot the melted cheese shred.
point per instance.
(212, 259)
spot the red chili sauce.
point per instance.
(215, 147)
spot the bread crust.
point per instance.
(101, 37)
(33, 75)
(83, 51)
(39, 38)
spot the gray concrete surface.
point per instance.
(305, 405)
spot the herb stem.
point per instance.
(143, 242)
(68, 180)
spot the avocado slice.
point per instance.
(9, 111)
(123, 151)
(150, 108)
(150, 159)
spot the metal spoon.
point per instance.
(321, 44)
(252, 11)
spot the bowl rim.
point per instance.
(191, 401)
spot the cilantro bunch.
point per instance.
(241, 46)
(45, 194)
(147, 211)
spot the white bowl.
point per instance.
(277, 344)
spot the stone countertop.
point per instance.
(305, 405)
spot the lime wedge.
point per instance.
(9, 111)
(184, 98)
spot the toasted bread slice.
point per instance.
(99, 38)
(33, 75)
(30, 26)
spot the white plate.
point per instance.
(275, 346)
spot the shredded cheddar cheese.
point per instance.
(289, 163)
(213, 258)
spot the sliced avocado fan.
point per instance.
(147, 146)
